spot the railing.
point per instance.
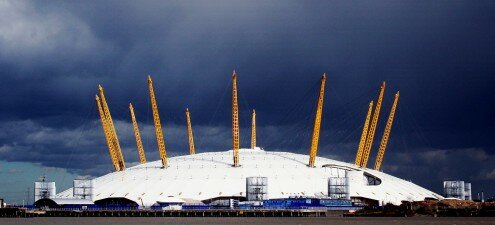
(196, 208)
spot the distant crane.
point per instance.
(158, 126)
(139, 143)
(253, 130)
(235, 120)
(362, 141)
(386, 134)
(108, 135)
(317, 123)
(190, 137)
(371, 132)
(113, 134)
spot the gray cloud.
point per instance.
(83, 149)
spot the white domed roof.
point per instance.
(211, 174)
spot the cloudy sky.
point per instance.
(439, 54)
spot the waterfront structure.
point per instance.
(246, 174)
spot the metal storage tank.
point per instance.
(83, 189)
(44, 189)
(454, 189)
(338, 187)
(256, 188)
(467, 191)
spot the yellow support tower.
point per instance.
(139, 143)
(235, 120)
(386, 134)
(253, 130)
(359, 154)
(158, 126)
(316, 129)
(108, 135)
(114, 138)
(190, 137)
(371, 132)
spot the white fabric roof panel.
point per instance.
(208, 175)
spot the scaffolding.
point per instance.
(338, 187)
(44, 189)
(256, 188)
(454, 189)
(83, 189)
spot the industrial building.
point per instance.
(241, 177)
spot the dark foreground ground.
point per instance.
(242, 221)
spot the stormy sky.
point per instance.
(439, 54)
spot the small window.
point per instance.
(372, 180)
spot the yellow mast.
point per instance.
(108, 137)
(253, 130)
(158, 126)
(235, 120)
(190, 137)
(359, 154)
(371, 133)
(113, 133)
(316, 129)
(386, 134)
(139, 143)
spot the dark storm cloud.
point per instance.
(440, 55)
